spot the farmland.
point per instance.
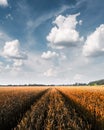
(52, 108)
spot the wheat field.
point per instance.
(52, 108)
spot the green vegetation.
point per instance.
(98, 82)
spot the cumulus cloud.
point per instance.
(50, 73)
(48, 55)
(18, 63)
(94, 45)
(3, 3)
(64, 34)
(14, 55)
(12, 50)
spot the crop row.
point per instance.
(91, 100)
(34, 118)
(14, 102)
(52, 113)
(60, 108)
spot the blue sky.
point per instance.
(51, 42)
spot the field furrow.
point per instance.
(51, 113)
(34, 118)
(54, 108)
(15, 102)
(88, 104)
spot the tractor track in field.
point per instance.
(15, 116)
(34, 118)
(54, 111)
(84, 118)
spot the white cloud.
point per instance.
(63, 56)
(64, 34)
(94, 45)
(3, 2)
(18, 63)
(48, 55)
(78, 77)
(33, 24)
(80, 22)
(7, 67)
(12, 50)
(14, 55)
(50, 73)
(1, 66)
(9, 16)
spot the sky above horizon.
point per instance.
(51, 42)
